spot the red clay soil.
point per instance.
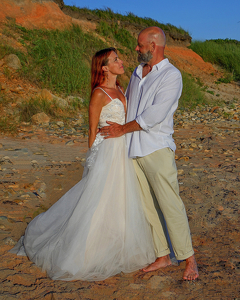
(34, 15)
(189, 61)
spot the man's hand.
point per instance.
(112, 131)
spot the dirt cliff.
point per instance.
(34, 14)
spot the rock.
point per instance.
(180, 171)
(169, 295)
(9, 241)
(184, 145)
(79, 121)
(3, 86)
(75, 98)
(61, 102)
(5, 160)
(22, 279)
(60, 124)
(17, 90)
(69, 143)
(159, 282)
(192, 174)
(186, 158)
(41, 188)
(34, 163)
(135, 286)
(40, 118)
(194, 145)
(58, 188)
(12, 61)
(45, 94)
(8, 296)
(214, 109)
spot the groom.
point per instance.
(152, 97)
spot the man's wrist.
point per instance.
(124, 129)
(131, 127)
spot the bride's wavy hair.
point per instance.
(99, 60)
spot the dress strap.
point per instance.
(121, 91)
(103, 91)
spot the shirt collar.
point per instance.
(158, 66)
(161, 64)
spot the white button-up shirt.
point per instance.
(152, 101)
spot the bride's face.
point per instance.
(115, 64)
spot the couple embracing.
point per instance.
(114, 220)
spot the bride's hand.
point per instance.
(112, 131)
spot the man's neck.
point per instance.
(147, 68)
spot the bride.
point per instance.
(98, 228)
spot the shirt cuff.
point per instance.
(142, 124)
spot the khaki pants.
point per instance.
(157, 175)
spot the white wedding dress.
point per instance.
(98, 228)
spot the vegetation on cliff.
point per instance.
(109, 16)
(225, 53)
(60, 60)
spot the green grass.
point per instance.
(108, 15)
(192, 94)
(60, 60)
(121, 35)
(8, 125)
(5, 50)
(3, 100)
(225, 53)
(35, 105)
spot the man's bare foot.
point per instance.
(160, 262)
(191, 270)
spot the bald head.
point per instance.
(151, 45)
(154, 34)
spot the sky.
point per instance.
(204, 20)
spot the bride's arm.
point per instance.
(95, 108)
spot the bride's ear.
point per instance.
(105, 68)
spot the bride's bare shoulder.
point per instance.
(98, 96)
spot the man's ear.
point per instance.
(105, 68)
(152, 47)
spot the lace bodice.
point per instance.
(113, 112)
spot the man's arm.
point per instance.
(117, 130)
(167, 95)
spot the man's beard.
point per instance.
(144, 57)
